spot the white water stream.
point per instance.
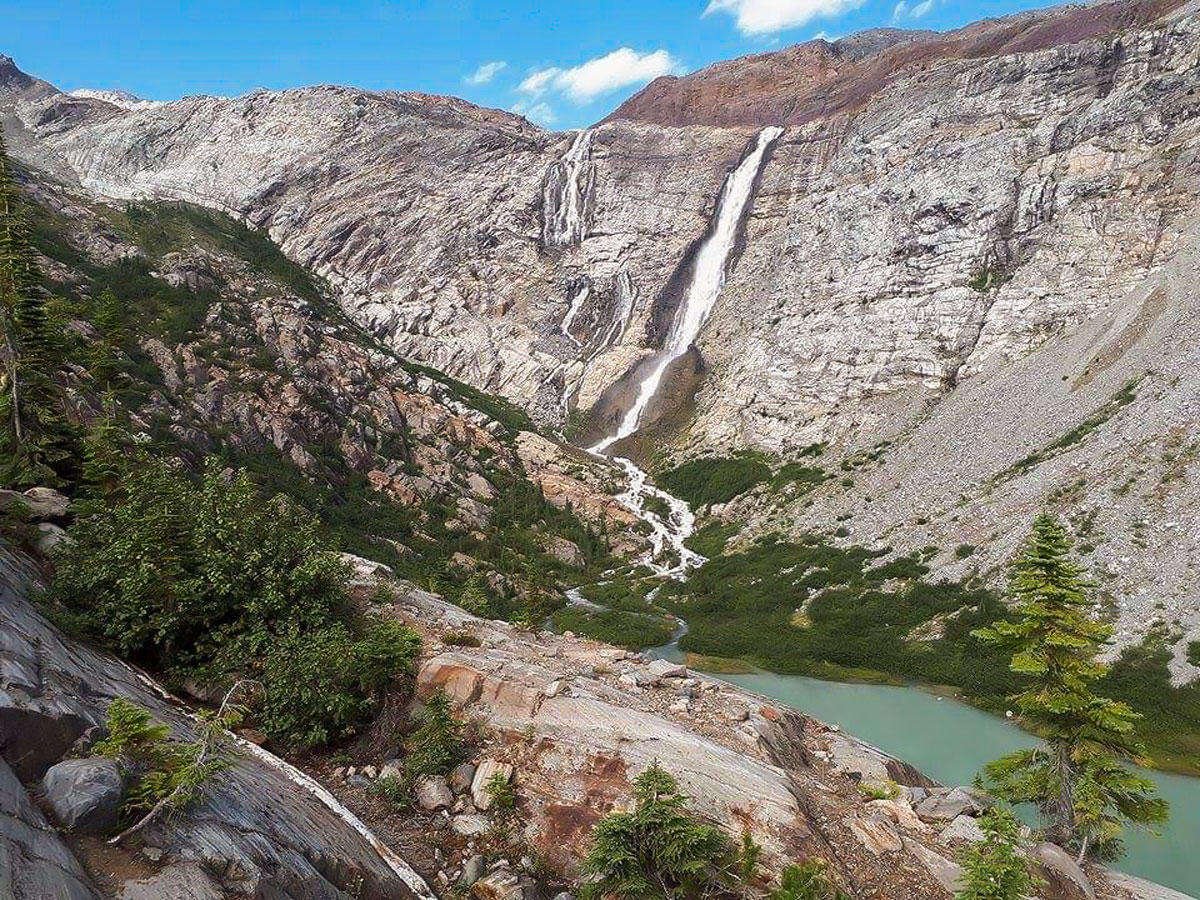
(708, 277)
(566, 194)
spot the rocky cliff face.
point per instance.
(939, 208)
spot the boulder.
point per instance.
(461, 777)
(945, 807)
(85, 794)
(566, 552)
(49, 538)
(472, 871)
(46, 503)
(36, 504)
(876, 833)
(1064, 878)
(963, 828)
(945, 872)
(433, 793)
(469, 825)
(662, 668)
(487, 769)
(501, 884)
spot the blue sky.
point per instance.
(563, 63)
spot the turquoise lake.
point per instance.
(949, 741)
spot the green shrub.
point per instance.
(394, 789)
(714, 480)
(807, 881)
(437, 745)
(181, 574)
(712, 538)
(165, 775)
(993, 868)
(319, 686)
(656, 851)
(631, 630)
(962, 551)
(461, 639)
(887, 790)
(504, 799)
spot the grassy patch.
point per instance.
(717, 665)
(1170, 723)
(798, 473)
(634, 631)
(711, 539)
(857, 614)
(715, 479)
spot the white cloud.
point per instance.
(535, 111)
(759, 17)
(537, 83)
(910, 11)
(486, 72)
(602, 75)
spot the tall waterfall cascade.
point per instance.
(567, 194)
(708, 277)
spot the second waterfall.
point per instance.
(708, 277)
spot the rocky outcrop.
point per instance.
(34, 861)
(570, 722)
(53, 690)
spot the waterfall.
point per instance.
(708, 277)
(567, 194)
(580, 291)
(626, 296)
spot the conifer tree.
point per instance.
(106, 350)
(1076, 779)
(993, 868)
(35, 441)
(656, 851)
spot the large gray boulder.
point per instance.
(85, 794)
(1063, 876)
(34, 862)
(36, 504)
(946, 806)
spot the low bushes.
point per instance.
(321, 685)
(203, 579)
(715, 480)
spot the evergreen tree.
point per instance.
(106, 351)
(474, 598)
(36, 444)
(993, 868)
(657, 851)
(104, 458)
(1076, 779)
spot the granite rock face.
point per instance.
(54, 689)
